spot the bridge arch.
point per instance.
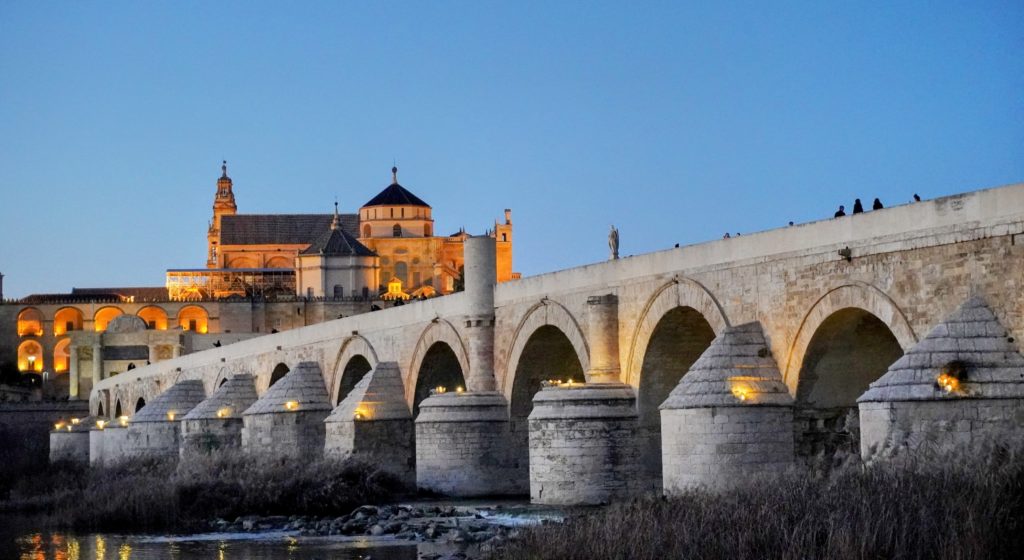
(546, 313)
(277, 374)
(439, 331)
(851, 335)
(856, 295)
(677, 324)
(679, 293)
(356, 357)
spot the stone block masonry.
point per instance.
(289, 418)
(464, 447)
(373, 424)
(583, 445)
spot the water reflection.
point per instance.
(63, 546)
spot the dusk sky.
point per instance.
(676, 122)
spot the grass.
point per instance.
(157, 494)
(963, 505)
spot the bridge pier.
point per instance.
(730, 418)
(464, 446)
(373, 424)
(288, 420)
(156, 429)
(215, 425)
(583, 445)
(962, 384)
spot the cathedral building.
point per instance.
(390, 241)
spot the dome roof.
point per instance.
(736, 370)
(379, 395)
(235, 395)
(337, 242)
(970, 351)
(300, 390)
(172, 404)
(396, 195)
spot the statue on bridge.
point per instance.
(613, 243)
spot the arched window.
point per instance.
(30, 357)
(155, 317)
(366, 230)
(193, 318)
(66, 320)
(62, 356)
(396, 230)
(104, 316)
(30, 322)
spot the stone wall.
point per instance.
(938, 425)
(716, 446)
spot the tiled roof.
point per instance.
(85, 295)
(337, 242)
(280, 229)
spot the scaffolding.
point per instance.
(194, 284)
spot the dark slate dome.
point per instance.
(396, 195)
(338, 242)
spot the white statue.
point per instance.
(613, 243)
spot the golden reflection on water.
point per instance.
(101, 548)
(124, 552)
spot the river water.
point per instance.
(58, 545)
(27, 539)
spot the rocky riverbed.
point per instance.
(469, 529)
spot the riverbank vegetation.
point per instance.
(960, 506)
(162, 494)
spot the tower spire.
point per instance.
(394, 175)
(224, 169)
(336, 222)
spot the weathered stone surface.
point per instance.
(910, 408)
(583, 444)
(374, 424)
(463, 446)
(729, 418)
(173, 404)
(289, 418)
(216, 423)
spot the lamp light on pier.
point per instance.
(123, 420)
(170, 415)
(224, 412)
(291, 405)
(100, 424)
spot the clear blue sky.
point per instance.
(676, 121)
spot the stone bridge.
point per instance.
(838, 301)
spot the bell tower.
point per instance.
(223, 205)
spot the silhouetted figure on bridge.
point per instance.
(857, 207)
(877, 205)
(841, 212)
(917, 198)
